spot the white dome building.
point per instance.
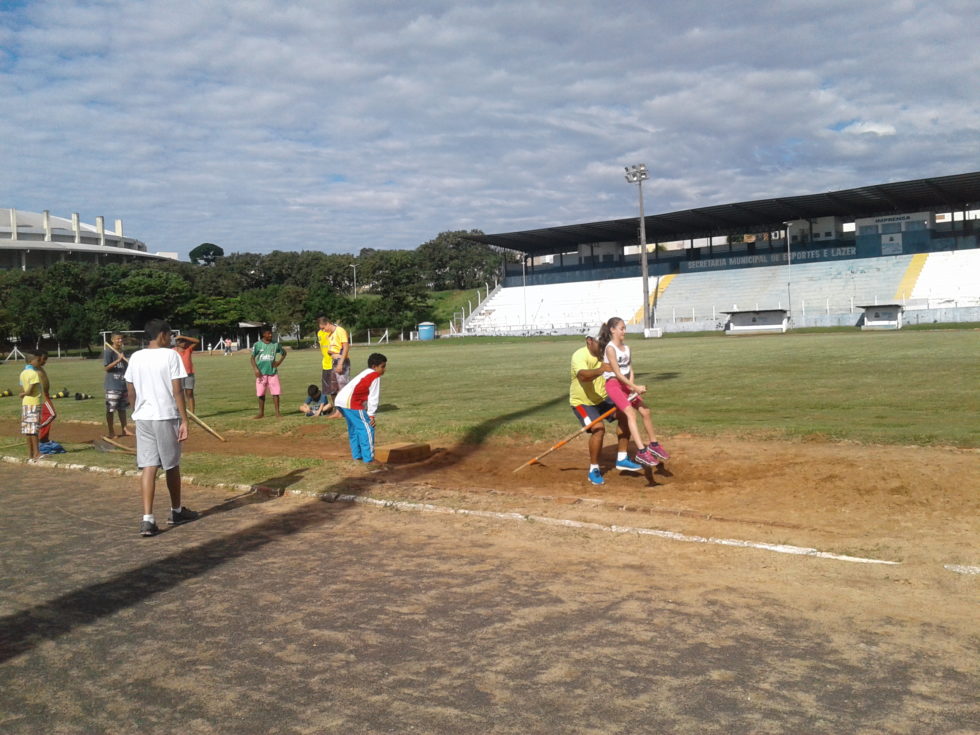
(35, 240)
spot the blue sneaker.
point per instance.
(628, 465)
(595, 477)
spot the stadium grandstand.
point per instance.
(819, 257)
(36, 239)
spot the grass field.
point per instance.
(884, 387)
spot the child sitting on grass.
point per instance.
(315, 403)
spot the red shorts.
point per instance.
(620, 396)
(48, 415)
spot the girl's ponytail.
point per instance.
(605, 335)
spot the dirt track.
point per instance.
(297, 615)
(909, 504)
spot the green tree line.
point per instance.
(75, 301)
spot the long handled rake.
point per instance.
(204, 426)
(116, 351)
(565, 441)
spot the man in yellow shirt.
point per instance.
(587, 396)
(326, 361)
(334, 345)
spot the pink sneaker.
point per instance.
(645, 456)
(657, 450)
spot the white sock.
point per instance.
(149, 518)
(621, 456)
(177, 510)
(593, 467)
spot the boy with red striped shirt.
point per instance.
(358, 403)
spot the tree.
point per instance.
(246, 270)
(396, 276)
(65, 297)
(329, 303)
(211, 314)
(206, 254)
(454, 261)
(282, 306)
(142, 294)
(24, 310)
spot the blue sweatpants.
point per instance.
(360, 433)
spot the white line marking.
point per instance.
(670, 535)
(962, 569)
(428, 508)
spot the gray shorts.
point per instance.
(157, 445)
(338, 380)
(189, 382)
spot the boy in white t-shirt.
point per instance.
(154, 380)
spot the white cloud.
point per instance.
(340, 125)
(874, 128)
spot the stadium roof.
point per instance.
(944, 193)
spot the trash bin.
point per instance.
(427, 331)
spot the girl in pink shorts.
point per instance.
(625, 394)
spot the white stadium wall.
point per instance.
(37, 239)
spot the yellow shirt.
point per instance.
(586, 394)
(337, 340)
(323, 339)
(30, 377)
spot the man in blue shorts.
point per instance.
(587, 395)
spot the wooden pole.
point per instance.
(204, 426)
(565, 441)
(115, 350)
(116, 444)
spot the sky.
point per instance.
(264, 125)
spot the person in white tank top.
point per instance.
(626, 394)
(623, 360)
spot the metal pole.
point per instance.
(644, 267)
(354, 266)
(524, 287)
(635, 175)
(789, 278)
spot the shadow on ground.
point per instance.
(24, 630)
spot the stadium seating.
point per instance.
(557, 307)
(950, 278)
(832, 287)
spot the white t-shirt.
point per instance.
(622, 359)
(150, 371)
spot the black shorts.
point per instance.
(587, 414)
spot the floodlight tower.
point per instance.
(637, 174)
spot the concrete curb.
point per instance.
(334, 497)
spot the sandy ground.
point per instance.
(298, 615)
(909, 504)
